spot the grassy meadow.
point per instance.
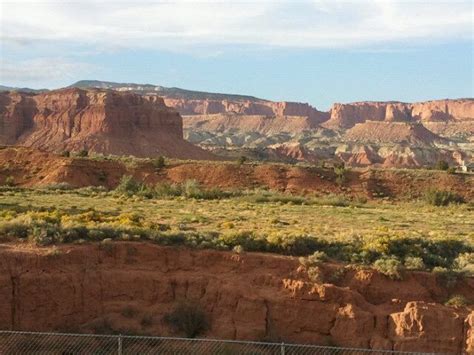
(416, 235)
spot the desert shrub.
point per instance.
(90, 190)
(390, 267)
(464, 263)
(168, 190)
(14, 228)
(83, 153)
(241, 160)
(298, 245)
(314, 259)
(159, 163)
(269, 197)
(239, 249)
(61, 186)
(451, 170)
(333, 200)
(441, 165)
(315, 274)
(442, 198)
(128, 185)
(45, 235)
(9, 181)
(245, 239)
(188, 318)
(340, 171)
(192, 189)
(66, 153)
(414, 263)
(457, 301)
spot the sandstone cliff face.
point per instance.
(347, 115)
(98, 120)
(245, 296)
(263, 108)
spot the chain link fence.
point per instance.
(13, 342)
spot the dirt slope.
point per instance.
(392, 132)
(30, 167)
(246, 296)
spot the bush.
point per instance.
(159, 163)
(414, 263)
(241, 160)
(128, 185)
(314, 259)
(269, 197)
(465, 263)
(83, 153)
(340, 171)
(189, 319)
(315, 274)
(9, 181)
(442, 165)
(457, 301)
(62, 186)
(168, 190)
(442, 198)
(390, 267)
(333, 200)
(66, 153)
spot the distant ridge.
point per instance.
(175, 93)
(11, 88)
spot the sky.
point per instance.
(315, 51)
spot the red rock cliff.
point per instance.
(264, 108)
(245, 296)
(103, 121)
(347, 115)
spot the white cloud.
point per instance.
(177, 25)
(41, 70)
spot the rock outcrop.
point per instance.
(246, 107)
(246, 296)
(414, 134)
(345, 116)
(102, 121)
(267, 125)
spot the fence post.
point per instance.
(282, 348)
(119, 350)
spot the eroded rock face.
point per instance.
(431, 326)
(348, 115)
(245, 296)
(246, 107)
(103, 121)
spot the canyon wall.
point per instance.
(113, 287)
(102, 121)
(347, 115)
(246, 107)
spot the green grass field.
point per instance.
(348, 231)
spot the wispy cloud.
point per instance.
(179, 24)
(41, 70)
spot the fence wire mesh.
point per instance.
(13, 342)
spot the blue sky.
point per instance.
(319, 52)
